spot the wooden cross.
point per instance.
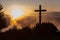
(40, 10)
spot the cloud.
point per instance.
(28, 21)
(53, 17)
(32, 19)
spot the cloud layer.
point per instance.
(53, 17)
(32, 19)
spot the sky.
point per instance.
(28, 6)
(50, 5)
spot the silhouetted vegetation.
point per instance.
(45, 28)
(2, 21)
(3, 18)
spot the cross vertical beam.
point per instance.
(40, 14)
(40, 10)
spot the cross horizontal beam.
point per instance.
(39, 10)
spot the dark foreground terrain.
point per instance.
(44, 31)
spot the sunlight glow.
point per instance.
(17, 13)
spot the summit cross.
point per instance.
(40, 10)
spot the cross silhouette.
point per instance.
(40, 10)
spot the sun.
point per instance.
(17, 13)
